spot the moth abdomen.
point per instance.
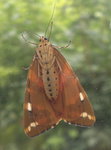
(51, 82)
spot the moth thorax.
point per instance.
(45, 54)
(51, 82)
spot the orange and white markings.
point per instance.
(58, 121)
(32, 125)
(29, 128)
(86, 115)
(29, 106)
(36, 123)
(89, 117)
(65, 120)
(81, 96)
(93, 118)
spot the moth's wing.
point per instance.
(77, 108)
(38, 113)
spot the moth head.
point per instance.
(43, 39)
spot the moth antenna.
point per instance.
(50, 30)
(27, 40)
(25, 68)
(50, 20)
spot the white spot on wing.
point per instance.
(36, 123)
(84, 114)
(29, 128)
(89, 117)
(52, 127)
(33, 124)
(58, 121)
(81, 96)
(65, 120)
(29, 106)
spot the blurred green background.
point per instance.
(88, 24)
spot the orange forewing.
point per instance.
(72, 104)
(76, 111)
(42, 113)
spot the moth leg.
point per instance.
(60, 47)
(25, 68)
(28, 41)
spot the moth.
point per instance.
(53, 93)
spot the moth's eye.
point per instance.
(40, 40)
(45, 39)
